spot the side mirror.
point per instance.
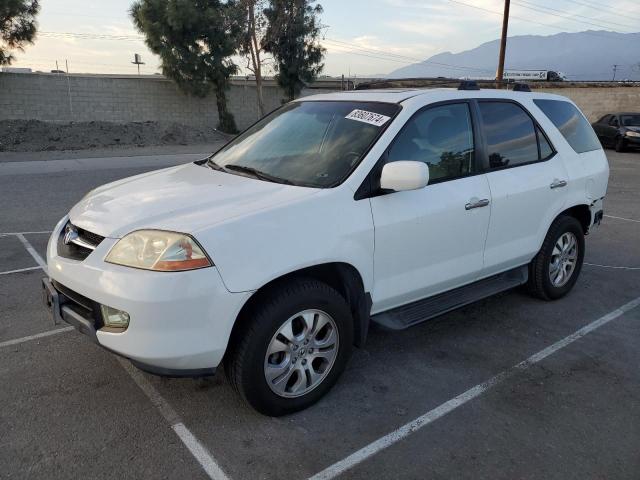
(404, 175)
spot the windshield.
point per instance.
(631, 120)
(314, 144)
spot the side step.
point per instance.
(411, 314)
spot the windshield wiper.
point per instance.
(258, 174)
(211, 163)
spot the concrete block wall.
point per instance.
(598, 101)
(121, 99)
(125, 98)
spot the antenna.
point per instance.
(137, 60)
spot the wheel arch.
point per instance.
(343, 277)
(582, 213)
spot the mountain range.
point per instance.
(588, 55)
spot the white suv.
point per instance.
(273, 256)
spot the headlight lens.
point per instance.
(633, 134)
(159, 251)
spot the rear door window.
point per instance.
(510, 134)
(573, 126)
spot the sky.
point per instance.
(362, 37)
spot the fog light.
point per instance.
(114, 318)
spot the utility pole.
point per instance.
(503, 43)
(615, 69)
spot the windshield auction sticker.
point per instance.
(368, 117)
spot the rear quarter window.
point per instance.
(571, 123)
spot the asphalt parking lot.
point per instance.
(446, 399)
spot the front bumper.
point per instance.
(633, 142)
(180, 322)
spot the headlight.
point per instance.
(633, 134)
(158, 250)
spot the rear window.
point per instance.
(571, 123)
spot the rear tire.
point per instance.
(555, 269)
(292, 346)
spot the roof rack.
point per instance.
(468, 85)
(521, 87)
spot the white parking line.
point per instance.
(199, 451)
(32, 251)
(622, 218)
(611, 266)
(17, 341)
(447, 407)
(28, 269)
(7, 234)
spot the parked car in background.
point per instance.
(619, 130)
(272, 256)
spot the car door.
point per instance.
(612, 130)
(527, 179)
(432, 239)
(600, 128)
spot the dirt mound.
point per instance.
(36, 136)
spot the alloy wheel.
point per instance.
(301, 353)
(563, 259)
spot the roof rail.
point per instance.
(521, 87)
(468, 85)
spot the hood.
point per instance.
(633, 129)
(184, 199)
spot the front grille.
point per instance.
(89, 237)
(81, 304)
(74, 251)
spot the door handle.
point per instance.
(558, 183)
(476, 204)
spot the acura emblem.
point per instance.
(70, 235)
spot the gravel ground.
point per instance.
(37, 136)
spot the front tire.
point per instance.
(555, 269)
(292, 346)
(620, 145)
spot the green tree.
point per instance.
(292, 39)
(17, 26)
(195, 40)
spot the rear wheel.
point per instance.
(294, 345)
(555, 269)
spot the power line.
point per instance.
(351, 48)
(350, 45)
(92, 36)
(601, 9)
(405, 62)
(403, 57)
(570, 17)
(594, 34)
(67, 14)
